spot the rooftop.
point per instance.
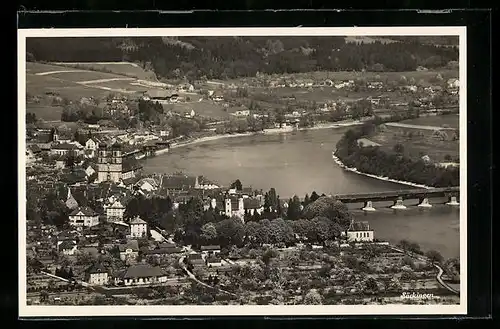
(359, 226)
(143, 271)
(137, 220)
(85, 211)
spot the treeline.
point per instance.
(315, 219)
(372, 160)
(230, 57)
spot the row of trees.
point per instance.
(230, 57)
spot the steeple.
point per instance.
(70, 201)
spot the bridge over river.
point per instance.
(398, 197)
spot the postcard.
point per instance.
(242, 171)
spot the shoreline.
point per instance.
(272, 131)
(386, 179)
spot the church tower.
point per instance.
(109, 163)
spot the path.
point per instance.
(60, 71)
(441, 282)
(105, 80)
(193, 277)
(440, 270)
(404, 125)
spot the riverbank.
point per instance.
(272, 131)
(387, 179)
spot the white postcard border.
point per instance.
(259, 310)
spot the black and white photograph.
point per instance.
(242, 171)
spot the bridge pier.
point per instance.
(424, 203)
(398, 204)
(368, 206)
(453, 201)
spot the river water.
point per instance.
(301, 162)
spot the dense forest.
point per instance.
(372, 160)
(231, 57)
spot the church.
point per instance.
(113, 166)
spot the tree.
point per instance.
(30, 118)
(434, 256)
(230, 231)
(313, 297)
(237, 185)
(330, 208)
(314, 197)
(399, 148)
(293, 211)
(208, 233)
(370, 286)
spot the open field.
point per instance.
(204, 108)
(418, 143)
(451, 121)
(120, 68)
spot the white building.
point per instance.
(97, 275)
(144, 274)
(114, 211)
(138, 228)
(91, 147)
(83, 216)
(359, 232)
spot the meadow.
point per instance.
(120, 68)
(451, 121)
(419, 142)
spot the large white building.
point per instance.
(83, 216)
(138, 228)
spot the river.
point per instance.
(301, 162)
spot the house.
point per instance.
(147, 185)
(97, 275)
(177, 182)
(453, 83)
(359, 231)
(253, 206)
(83, 216)
(144, 274)
(213, 262)
(363, 142)
(196, 260)
(114, 211)
(203, 183)
(90, 170)
(164, 252)
(91, 147)
(66, 149)
(129, 251)
(68, 247)
(61, 161)
(217, 96)
(138, 228)
(211, 250)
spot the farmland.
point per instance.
(419, 142)
(120, 68)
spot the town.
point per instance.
(101, 231)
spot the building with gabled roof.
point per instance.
(97, 275)
(138, 228)
(83, 216)
(359, 232)
(144, 274)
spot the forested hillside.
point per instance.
(231, 57)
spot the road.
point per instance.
(404, 125)
(440, 270)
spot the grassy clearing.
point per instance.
(451, 121)
(204, 108)
(418, 144)
(120, 68)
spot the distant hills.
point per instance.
(232, 57)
